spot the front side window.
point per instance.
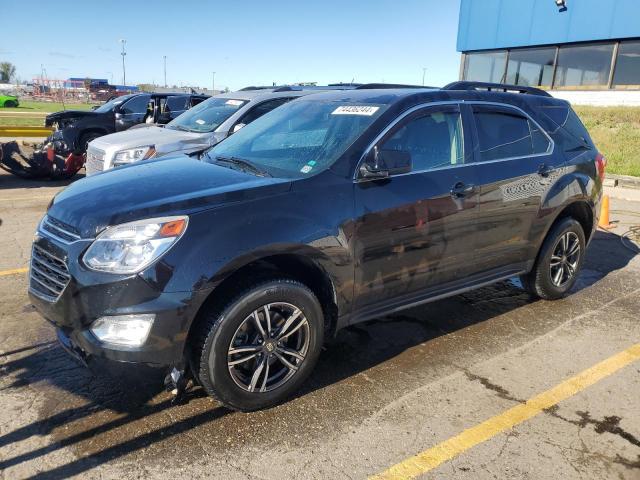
(503, 133)
(300, 138)
(137, 104)
(584, 65)
(176, 103)
(485, 67)
(111, 104)
(434, 140)
(263, 108)
(532, 67)
(206, 116)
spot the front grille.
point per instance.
(49, 275)
(60, 230)
(95, 161)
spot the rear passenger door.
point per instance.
(516, 166)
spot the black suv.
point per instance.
(76, 128)
(333, 209)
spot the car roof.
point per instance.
(409, 96)
(264, 94)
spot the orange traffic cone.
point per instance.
(604, 214)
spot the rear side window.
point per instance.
(504, 133)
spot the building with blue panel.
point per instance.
(554, 44)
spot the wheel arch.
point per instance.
(243, 272)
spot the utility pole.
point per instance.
(124, 75)
(424, 71)
(213, 83)
(165, 71)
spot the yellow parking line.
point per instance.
(435, 456)
(4, 273)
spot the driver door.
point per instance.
(415, 231)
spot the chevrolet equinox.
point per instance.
(333, 209)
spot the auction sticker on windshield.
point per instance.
(366, 110)
(235, 103)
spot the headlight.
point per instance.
(127, 330)
(130, 247)
(123, 157)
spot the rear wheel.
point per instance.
(10, 104)
(256, 351)
(559, 261)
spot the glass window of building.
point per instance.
(531, 67)
(485, 67)
(584, 65)
(628, 64)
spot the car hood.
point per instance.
(165, 140)
(67, 115)
(155, 188)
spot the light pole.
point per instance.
(124, 75)
(213, 83)
(165, 71)
(424, 71)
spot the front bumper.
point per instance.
(90, 295)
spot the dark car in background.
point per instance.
(74, 129)
(333, 209)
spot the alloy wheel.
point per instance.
(268, 347)
(564, 259)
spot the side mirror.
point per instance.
(95, 107)
(237, 127)
(383, 163)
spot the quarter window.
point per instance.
(507, 134)
(434, 140)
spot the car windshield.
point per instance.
(298, 139)
(206, 116)
(107, 107)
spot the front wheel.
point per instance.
(257, 351)
(10, 104)
(559, 261)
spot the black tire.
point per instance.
(10, 104)
(222, 326)
(543, 281)
(85, 139)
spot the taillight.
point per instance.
(601, 165)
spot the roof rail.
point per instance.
(282, 89)
(370, 86)
(248, 89)
(502, 87)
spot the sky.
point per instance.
(246, 42)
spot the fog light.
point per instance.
(127, 330)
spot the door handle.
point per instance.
(544, 170)
(461, 190)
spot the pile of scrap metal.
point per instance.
(39, 160)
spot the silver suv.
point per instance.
(202, 126)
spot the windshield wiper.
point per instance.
(181, 128)
(245, 165)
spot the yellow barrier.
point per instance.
(25, 131)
